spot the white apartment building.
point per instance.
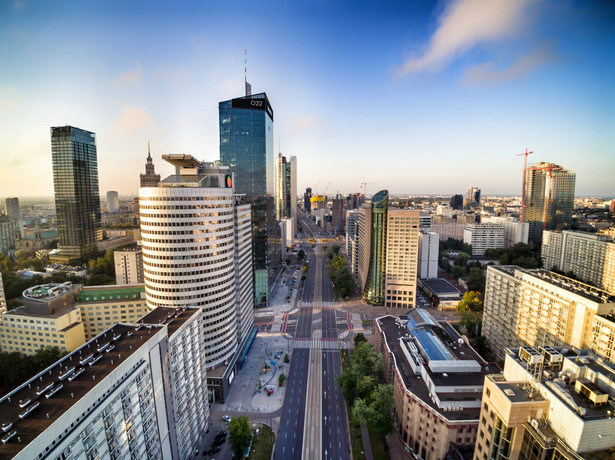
(135, 391)
(193, 233)
(449, 229)
(429, 247)
(590, 256)
(539, 307)
(483, 237)
(128, 266)
(286, 229)
(514, 230)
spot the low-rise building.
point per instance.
(550, 403)
(483, 237)
(437, 383)
(447, 295)
(37, 240)
(135, 391)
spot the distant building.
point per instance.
(425, 221)
(590, 256)
(131, 392)
(388, 253)
(75, 182)
(437, 383)
(514, 230)
(286, 228)
(113, 202)
(448, 229)
(338, 215)
(13, 211)
(2, 296)
(355, 201)
(548, 198)
(483, 237)
(473, 197)
(445, 211)
(39, 239)
(49, 317)
(286, 189)
(9, 230)
(150, 178)
(533, 307)
(129, 265)
(429, 247)
(307, 197)
(457, 202)
(550, 403)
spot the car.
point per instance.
(226, 418)
(215, 449)
(222, 433)
(219, 441)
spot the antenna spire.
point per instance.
(149, 155)
(245, 73)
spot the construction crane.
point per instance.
(526, 153)
(326, 188)
(364, 185)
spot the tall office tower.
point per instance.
(193, 232)
(590, 256)
(13, 211)
(75, 183)
(352, 218)
(338, 215)
(473, 196)
(9, 228)
(548, 197)
(388, 253)
(135, 391)
(549, 403)
(128, 265)
(246, 146)
(286, 188)
(457, 202)
(429, 248)
(539, 307)
(150, 178)
(307, 200)
(483, 237)
(113, 202)
(514, 230)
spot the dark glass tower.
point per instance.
(75, 183)
(246, 145)
(376, 276)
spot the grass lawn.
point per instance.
(262, 446)
(378, 443)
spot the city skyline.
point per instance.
(454, 90)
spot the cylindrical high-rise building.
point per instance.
(188, 238)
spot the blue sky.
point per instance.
(416, 97)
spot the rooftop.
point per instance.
(55, 390)
(440, 286)
(49, 291)
(99, 293)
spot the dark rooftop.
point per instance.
(440, 286)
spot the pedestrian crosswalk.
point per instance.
(320, 344)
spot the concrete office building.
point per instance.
(352, 218)
(195, 212)
(425, 221)
(548, 196)
(307, 200)
(473, 197)
(286, 228)
(534, 307)
(9, 230)
(448, 228)
(514, 230)
(49, 317)
(75, 183)
(286, 190)
(150, 178)
(437, 383)
(246, 146)
(388, 253)
(550, 403)
(429, 248)
(13, 211)
(338, 215)
(590, 256)
(128, 265)
(457, 202)
(113, 202)
(132, 392)
(483, 237)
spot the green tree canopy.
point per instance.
(239, 435)
(360, 337)
(471, 300)
(476, 280)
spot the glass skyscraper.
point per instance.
(374, 291)
(75, 182)
(246, 145)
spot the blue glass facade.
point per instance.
(246, 146)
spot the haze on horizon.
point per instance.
(425, 98)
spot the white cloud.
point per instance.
(465, 24)
(132, 121)
(303, 123)
(524, 65)
(131, 77)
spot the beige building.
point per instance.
(448, 229)
(590, 256)
(514, 231)
(129, 265)
(437, 383)
(550, 403)
(103, 306)
(483, 237)
(48, 318)
(539, 307)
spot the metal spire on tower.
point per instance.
(245, 70)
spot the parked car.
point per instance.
(226, 418)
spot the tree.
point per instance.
(476, 280)
(470, 301)
(335, 248)
(300, 254)
(239, 435)
(472, 323)
(281, 380)
(347, 381)
(360, 337)
(376, 413)
(365, 386)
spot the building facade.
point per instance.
(548, 198)
(590, 256)
(150, 178)
(246, 146)
(75, 183)
(429, 248)
(514, 230)
(533, 307)
(473, 197)
(307, 200)
(483, 237)
(9, 230)
(549, 403)
(135, 391)
(286, 189)
(128, 265)
(457, 202)
(13, 211)
(113, 202)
